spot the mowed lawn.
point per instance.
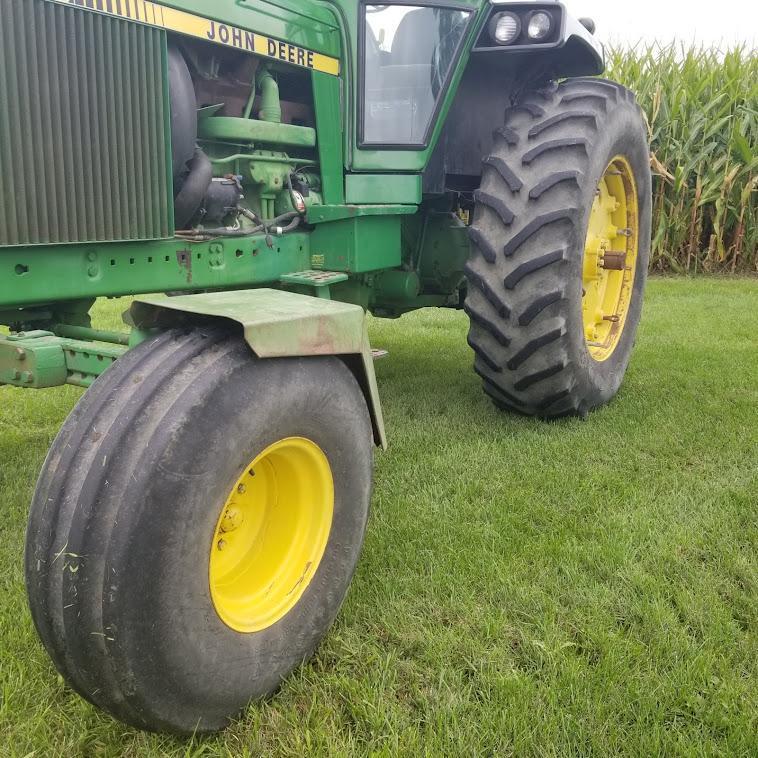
(574, 588)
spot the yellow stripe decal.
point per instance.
(182, 22)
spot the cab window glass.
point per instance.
(408, 54)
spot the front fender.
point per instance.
(276, 324)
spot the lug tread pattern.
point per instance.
(539, 376)
(530, 267)
(534, 110)
(507, 135)
(573, 97)
(506, 172)
(537, 225)
(533, 346)
(561, 118)
(551, 400)
(496, 204)
(553, 180)
(500, 396)
(489, 324)
(520, 259)
(492, 297)
(484, 356)
(551, 146)
(482, 243)
(537, 306)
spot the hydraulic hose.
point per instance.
(193, 191)
(291, 219)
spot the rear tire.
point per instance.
(525, 274)
(128, 510)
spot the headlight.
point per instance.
(540, 25)
(505, 28)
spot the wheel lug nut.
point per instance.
(242, 489)
(221, 544)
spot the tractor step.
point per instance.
(314, 278)
(320, 280)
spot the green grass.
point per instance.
(526, 588)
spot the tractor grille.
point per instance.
(84, 149)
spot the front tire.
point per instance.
(561, 244)
(196, 526)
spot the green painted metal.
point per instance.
(31, 276)
(357, 245)
(394, 189)
(320, 214)
(277, 324)
(87, 333)
(308, 282)
(442, 252)
(330, 124)
(83, 127)
(314, 278)
(373, 159)
(251, 130)
(396, 287)
(87, 206)
(271, 106)
(40, 359)
(309, 23)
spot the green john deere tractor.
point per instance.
(279, 168)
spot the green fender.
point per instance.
(277, 324)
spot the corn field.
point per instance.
(702, 111)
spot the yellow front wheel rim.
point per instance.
(610, 259)
(271, 535)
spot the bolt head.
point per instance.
(232, 520)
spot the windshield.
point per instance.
(409, 52)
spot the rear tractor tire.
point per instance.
(196, 526)
(561, 244)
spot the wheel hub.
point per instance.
(610, 259)
(271, 535)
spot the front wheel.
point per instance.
(561, 244)
(196, 526)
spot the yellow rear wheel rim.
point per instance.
(271, 535)
(610, 259)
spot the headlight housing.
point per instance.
(522, 25)
(505, 28)
(539, 25)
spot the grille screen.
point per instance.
(84, 150)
